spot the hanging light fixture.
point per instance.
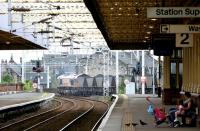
(137, 11)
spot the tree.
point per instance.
(7, 78)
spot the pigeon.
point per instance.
(128, 124)
(142, 123)
(134, 124)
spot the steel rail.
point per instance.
(28, 118)
(103, 115)
(59, 114)
(81, 115)
(95, 126)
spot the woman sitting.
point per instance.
(188, 107)
(187, 110)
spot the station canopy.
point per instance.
(58, 25)
(124, 23)
(86, 25)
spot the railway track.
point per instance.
(82, 106)
(73, 114)
(23, 124)
(90, 120)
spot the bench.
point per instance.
(190, 120)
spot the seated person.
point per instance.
(186, 110)
(179, 110)
(160, 115)
(188, 107)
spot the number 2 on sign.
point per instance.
(184, 40)
(185, 37)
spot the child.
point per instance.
(179, 111)
(160, 115)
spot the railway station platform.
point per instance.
(22, 99)
(132, 109)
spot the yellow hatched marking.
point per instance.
(127, 121)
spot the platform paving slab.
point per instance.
(133, 108)
(20, 99)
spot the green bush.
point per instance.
(7, 78)
(28, 85)
(122, 87)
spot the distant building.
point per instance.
(12, 68)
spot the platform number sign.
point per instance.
(184, 40)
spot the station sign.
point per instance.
(173, 12)
(184, 33)
(184, 40)
(170, 28)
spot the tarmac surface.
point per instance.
(132, 109)
(20, 99)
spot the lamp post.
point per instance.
(108, 72)
(104, 75)
(143, 73)
(86, 66)
(153, 78)
(0, 71)
(22, 62)
(48, 77)
(9, 15)
(38, 81)
(105, 53)
(117, 72)
(137, 76)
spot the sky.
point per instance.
(26, 29)
(27, 55)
